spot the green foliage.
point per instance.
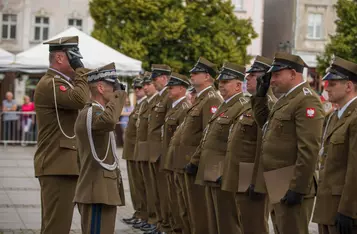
(170, 32)
(343, 44)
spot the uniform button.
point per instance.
(73, 147)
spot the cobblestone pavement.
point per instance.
(20, 210)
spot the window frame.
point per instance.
(238, 7)
(315, 26)
(75, 23)
(42, 26)
(9, 24)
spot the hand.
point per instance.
(263, 84)
(219, 180)
(292, 198)
(74, 58)
(255, 196)
(343, 224)
(119, 86)
(191, 169)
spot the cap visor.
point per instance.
(333, 76)
(276, 68)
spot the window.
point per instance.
(314, 26)
(42, 25)
(238, 5)
(9, 26)
(75, 23)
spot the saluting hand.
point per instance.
(263, 84)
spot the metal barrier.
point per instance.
(18, 128)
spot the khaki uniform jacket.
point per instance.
(241, 147)
(56, 154)
(156, 121)
(141, 150)
(197, 118)
(338, 172)
(130, 133)
(96, 184)
(212, 149)
(292, 135)
(173, 119)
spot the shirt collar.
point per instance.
(141, 100)
(162, 91)
(203, 91)
(66, 77)
(177, 101)
(152, 97)
(291, 90)
(226, 101)
(342, 110)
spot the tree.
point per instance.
(173, 32)
(343, 43)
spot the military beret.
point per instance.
(178, 79)
(203, 65)
(137, 83)
(106, 73)
(147, 78)
(341, 69)
(287, 61)
(160, 69)
(261, 64)
(231, 71)
(61, 43)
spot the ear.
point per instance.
(293, 73)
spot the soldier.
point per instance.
(244, 151)
(198, 116)
(291, 138)
(100, 189)
(142, 156)
(177, 86)
(336, 203)
(160, 76)
(60, 93)
(223, 217)
(128, 154)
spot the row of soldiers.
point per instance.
(223, 163)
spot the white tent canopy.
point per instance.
(95, 54)
(6, 57)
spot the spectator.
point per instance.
(9, 119)
(124, 118)
(27, 120)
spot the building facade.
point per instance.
(302, 27)
(25, 23)
(253, 10)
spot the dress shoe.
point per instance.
(129, 220)
(148, 228)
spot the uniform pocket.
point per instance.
(337, 139)
(283, 123)
(110, 174)
(68, 144)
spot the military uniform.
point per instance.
(142, 156)
(99, 189)
(336, 194)
(291, 137)
(198, 116)
(155, 123)
(243, 150)
(222, 216)
(174, 117)
(57, 101)
(133, 167)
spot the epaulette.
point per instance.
(243, 100)
(307, 91)
(212, 94)
(185, 105)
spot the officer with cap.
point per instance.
(243, 155)
(160, 76)
(128, 149)
(99, 189)
(291, 136)
(142, 157)
(223, 217)
(60, 93)
(336, 203)
(177, 87)
(198, 116)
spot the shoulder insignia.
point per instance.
(63, 88)
(310, 112)
(270, 98)
(306, 91)
(57, 76)
(211, 94)
(185, 105)
(243, 100)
